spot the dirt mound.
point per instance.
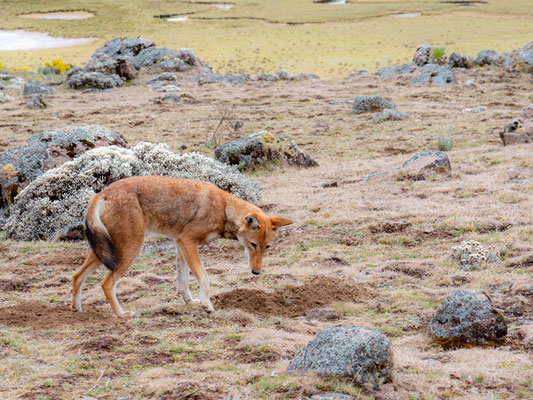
(67, 258)
(292, 301)
(48, 316)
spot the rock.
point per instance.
(173, 98)
(46, 150)
(364, 355)
(98, 80)
(359, 72)
(520, 129)
(363, 104)
(389, 72)
(475, 110)
(37, 101)
(423, 55)
(457, 60)
(520, 60)
(322, 314)
(332, 396)
(59, 197)
(470, 84)
(388, 114)
(126, 47)
(108, 65)
(428, 160)
(266, 77)
(167, 59)
(303, 76)
(524, 288)
(169, 88)
(36, 88)
(435, 74)
(487, 57)
(260, 148)
(215, 78)
(4, 98)
(467, 318)
(164, 78)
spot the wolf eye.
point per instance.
(253, 245)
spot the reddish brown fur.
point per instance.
(187, 211)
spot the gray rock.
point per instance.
(362, 354)
(97, 80)
(363, 104)
(444, 77)
(429, 159)
(125, 47)
(520, 60)
(266, 77)
(166, 59)
(21, 165)
(421, 80)
(169, 88)
(457, 60)
(423, 55)
(104, 63)
(388, 114)
(467, 318)
(4, 98)
(37, 101)
(174, 98)
(487, 57)
(163, 78)
(526, 54)
(390, 72)
(216, 78)
(260, 148)
(32, 88)
(359, 72)
(520, 129)
(470, 84)
(332, 396)
(71, 233)
(303, 76)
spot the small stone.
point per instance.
(363, 104)
(359, 72)
(4, 98)
(429, 159)
(487, 57)
(169, 88)
(388, 114)
(37, 101)
(474, 110)
(470, 84)
(460, 61)
(163, 78)
(36, 88)
(332, 396)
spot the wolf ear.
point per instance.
(278, 221)
(252, 222)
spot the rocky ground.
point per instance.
(377, 251)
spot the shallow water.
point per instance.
(408, 15)
(225, 7)
(178, 19)
(59, 15)
(22, 40)
(337, 2)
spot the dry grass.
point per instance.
(393, 236)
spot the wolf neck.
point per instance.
(236, 212)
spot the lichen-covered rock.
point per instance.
(4, 98)
(423, 55)
(46, 150)
(435, 74)
(429, 160)
(467, 318)
(390, 115)
(487, 57)
(520, 129)
(32, 88)
(457, 60)
(97, 80)
(375, 103)
(520, 60)
(216, 78)
(389, 72)
(59, 197)
(364, 355)
(260, 148)
(165, 77)
(332, 396)
(37, 101)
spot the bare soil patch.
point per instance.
(48, 316)
(293, 301)
(68, 258)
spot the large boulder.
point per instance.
(520, 60)
(46, 150)
(83, 79)
(441, 75)
(467, 318)
(58, 198)
(520, 129)
(260, 148)
(457, 60)
(363, 355)
(375, 103)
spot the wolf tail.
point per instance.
(98, 236)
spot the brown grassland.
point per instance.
(390, 236)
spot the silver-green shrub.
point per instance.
(472, 255)
(59, 197)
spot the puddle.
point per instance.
(59, 15)
(408, 15)
(332, 2)
(224, 7)
(178, 19)
(22, 40)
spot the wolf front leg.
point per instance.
(189, 250)
(182, 277)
